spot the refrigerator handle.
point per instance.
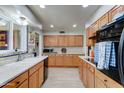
(121, 58)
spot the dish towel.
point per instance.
(108, 50)
(113, 56)
(96, 53)
(101, 61)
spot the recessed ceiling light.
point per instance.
(52, 26)
(42, 6)
(74, 25)
(84, 6)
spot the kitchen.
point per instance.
(40, 48)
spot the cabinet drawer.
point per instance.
(101, 76)
(91, 68)
(17, 81)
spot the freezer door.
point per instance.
(121, 58)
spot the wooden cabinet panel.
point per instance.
(99, 83)
(41, 75)
(68, 60)
(59, 60)
(114, 11)
(50, 40)
(90, 76)
(65, 42)
(108, 82)
(71, 41)
(79, 40)
(94, 27)
(81, 71)
(76, 60)
(52, 60)
(84, 73)
(24, 84)
(103, 20)
(33, 80)
(17, 81)
(60, 40)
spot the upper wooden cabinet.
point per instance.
(94, 27)
(79, 40)
(114, 11)
(50, 40)
(103, 20)
(63, 40)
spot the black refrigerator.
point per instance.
(121, 58)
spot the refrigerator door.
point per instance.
(121, 58)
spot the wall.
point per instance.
(70, 50)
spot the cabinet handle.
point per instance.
(105, 80)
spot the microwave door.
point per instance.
(121, 58)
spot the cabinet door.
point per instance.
(50, 40)
(33, 80)
(60, 40)
(24, 84)
(114, 11)
(52, 60)
(84, 73)
(76, 60)
(99, 83)
(103, 20)
(68, 60)
(81, 70)
(90, 76)
(41, 75)
(59, 60)
(94, 27)
(79, 40)
(71, 40)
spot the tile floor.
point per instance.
(63, 78)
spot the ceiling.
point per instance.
(63, 16)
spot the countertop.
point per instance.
(10, 71)
(88, 60)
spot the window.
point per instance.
(4, 34)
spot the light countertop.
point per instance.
(10, 71)
(88, 61)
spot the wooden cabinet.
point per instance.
(101, 80)
(36, 75)
(59, 60)
(103, 20)
(81, 70)
(18, 81)
(50, 40)
(76, 60)
(63, 40)
(94, 27)
(87, 36)
(68, 60)
(84, 73)
(52, 60)
(24, 84)
(33, 80)
(99, 83)
(79, 40)
(90, 76)
(71, 41)
(114, 11)
(41, 75)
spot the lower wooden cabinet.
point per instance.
(90, 76)
(63, 60)
(84, 73)
(102, 81)
(32, 78)
(18, 81)
(41, 75)
(24, 84)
